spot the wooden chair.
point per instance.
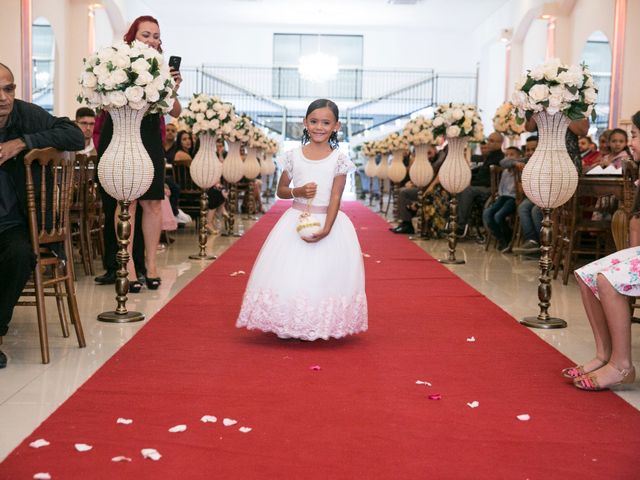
(49, 179)
(189, 201)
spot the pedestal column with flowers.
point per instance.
(128, 81)
(369, 150)
(382, 172)
(251, 172)
(459, 123)
(238, 133)
(505, 121)
(268, 167)
(206, 116)
(553, 95)
(397, 169)
(419, 133)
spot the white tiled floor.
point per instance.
(30, 391)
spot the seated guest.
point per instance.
(23, 126)
(618, 149)
(406, 196)
(529, 213)
(603, 142)
(495, 216)
(588, 153)
(184, 147)
(480, 187)
(169, 143)
(606, 286)
(86, 120)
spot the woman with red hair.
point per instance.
(146, 30)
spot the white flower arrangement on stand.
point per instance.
(419, 131)
(553, 94)
(506, 121)
(240, 132)
(206, 116)
(132, 75)
(127, 80)
(459, 123)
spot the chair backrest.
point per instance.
(182, 176)
(49, 180)
(85, 173)
(495, 172)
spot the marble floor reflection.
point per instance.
(31, 391)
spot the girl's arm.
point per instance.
(339, 182)
(308, 190)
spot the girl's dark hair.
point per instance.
(621, 132)
(130, 36)
(181, 134)
(636, 119)
(315, 105)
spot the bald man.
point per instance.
(23, 126)
(480, 187)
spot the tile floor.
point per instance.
(31, 391)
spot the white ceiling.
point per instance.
(461, 15)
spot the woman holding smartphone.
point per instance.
(147, 30)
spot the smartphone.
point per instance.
(174, 62)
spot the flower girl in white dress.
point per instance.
(310, 286)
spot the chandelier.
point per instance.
(318, 67)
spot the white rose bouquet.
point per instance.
(272, 146)
(458, 120)
(207, 114)
(259, 139)
(556, 87)
(240, 129)
(419, 131)
(394, 141)
(506, 120)
(370, 149)
(134, 75)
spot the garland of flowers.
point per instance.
(133, 74)
(419, 131)
(505, 120)
(458, 120)
(556, 87)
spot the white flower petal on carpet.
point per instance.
(41, 442)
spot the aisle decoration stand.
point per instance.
(505, 121)
(553, 95)
(127, 81)
(369, 150)
(459, 123)
(419, 133)
(268, 167)
(397, 170)
(239, 133)
(207, 117)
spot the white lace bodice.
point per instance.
(301, 170)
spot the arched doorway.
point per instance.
(597, 55)
(43, 63)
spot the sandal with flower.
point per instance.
(579, 370)
(590, 381)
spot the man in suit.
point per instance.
(23, 126)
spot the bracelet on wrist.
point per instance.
(292, 195)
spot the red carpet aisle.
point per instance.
(361, 415)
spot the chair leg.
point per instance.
(71, 297)
(87, 256)
(60, 304)
(42, 315)
(568, 260)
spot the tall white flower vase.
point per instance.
(397, 172)
(267, 169)
(125, 172)
(421, 174)
(205, 172)
(549, 180)
(370, 171)
(455, 176)
(251, 172)
(383, 174)
(232, 172)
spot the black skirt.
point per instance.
(152, 141)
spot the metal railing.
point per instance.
(402, 103)
(385, 95)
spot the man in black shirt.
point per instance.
(23, 126)
(480, 187)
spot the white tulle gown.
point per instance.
(308, 290)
